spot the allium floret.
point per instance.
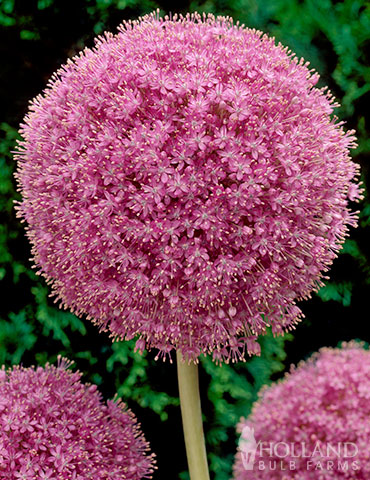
(184, 183)
(53, 427)
(312, 425)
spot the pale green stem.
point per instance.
(192, 419)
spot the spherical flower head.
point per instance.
(312, 425)
(184, 184)
(53, 427)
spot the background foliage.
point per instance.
(35, 38)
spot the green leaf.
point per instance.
(339, 292)
(16, 337)
(131, 370)
(43, 4)
(53, 321)
(29, 35)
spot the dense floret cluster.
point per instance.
(53, 427)
(313, 425)
(184, 183)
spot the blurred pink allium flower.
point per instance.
(53, 427)
(184, 184)
(319, 413)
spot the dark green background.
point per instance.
(35, 38)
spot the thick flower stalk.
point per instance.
(184, 183)
(314, 424)
(53, 427)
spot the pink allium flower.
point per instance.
(53, 427)
(184, 184)
(317, 418)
